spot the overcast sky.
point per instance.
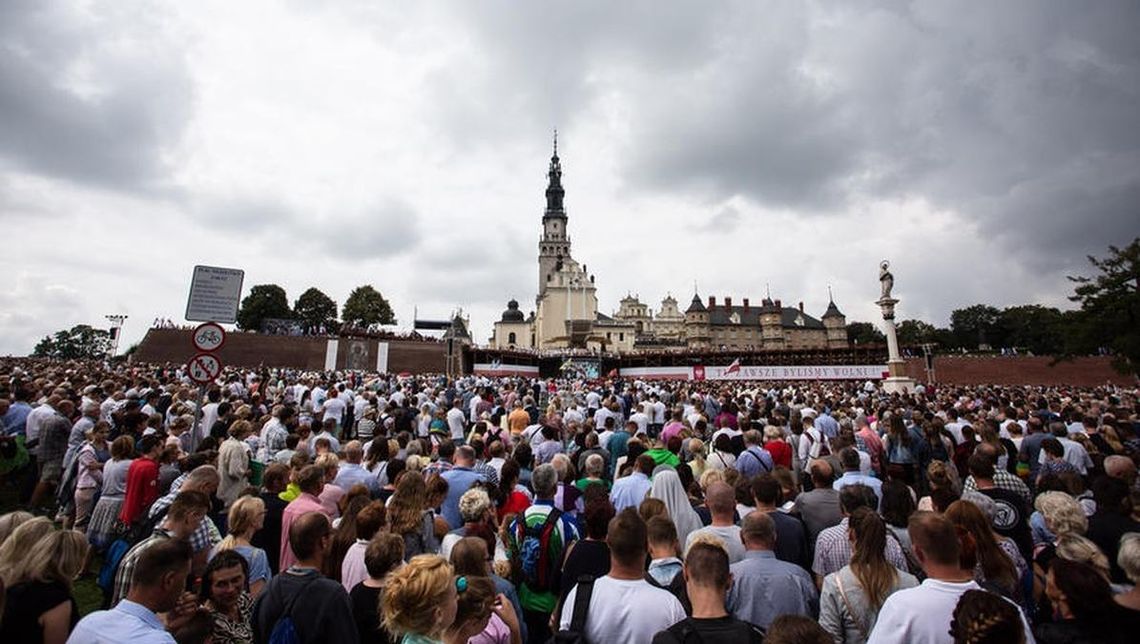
(983, 147)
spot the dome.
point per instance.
(512, 314)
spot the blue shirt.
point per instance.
(16, 420)
(126, 622)
(763, 588)
(827, 425)
(351, 474)
(459, 480)
(754, 461)
(855, 478)
(629, 491)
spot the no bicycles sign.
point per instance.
(204, 368)
(209, 337)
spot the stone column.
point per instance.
(897, 381)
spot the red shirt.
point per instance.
(781, 452)
(516, 503)
(142, 489)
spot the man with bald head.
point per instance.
(721, 502)
(763, 587)
(1002, 478)
(352, 472)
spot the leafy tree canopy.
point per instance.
(264, 301)
(365, 306)
(315, 309)
(1109, 316)
(79, 342)
(864, 333)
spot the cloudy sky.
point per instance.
(983, 147)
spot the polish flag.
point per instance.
(733, 368)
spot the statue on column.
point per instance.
(886, 280)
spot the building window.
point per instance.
(511, 337)
(621, 337)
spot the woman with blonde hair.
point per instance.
(410, 516)
(12, 520)
(17, 545)
(246, 517)
(420, 600)
(1063, 516)
(39, 606)
(698, 462)
(851, 598)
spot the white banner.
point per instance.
(330, 355)
(382, 357)
(657, 373)
(793, 372)
(501, 369)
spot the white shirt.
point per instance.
(923, 614)
(209, 417)
(36, 418)
(334, 408)
(729, 535)
(457, 423)
(1075, 453)
(628, 611)
(642, 422)
(658, 413)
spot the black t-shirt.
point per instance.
(26, 603)
(365, 611)
(719, 630)
(586, 558)
(1012, 519)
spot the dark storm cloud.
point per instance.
(89, 98)
(1021, 117)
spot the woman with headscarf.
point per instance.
(667, 487)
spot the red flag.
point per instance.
(733, 368)
(613, 373)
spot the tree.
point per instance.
(264, 301)
(912, 332)
(79, 342)
(976, 325)
(1033, 327)
(365, 306)
(315, 309)
(864, 333)
(1110, 305)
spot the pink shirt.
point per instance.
(352, 570)
(302, 504)
(672, 429)
(330, 497)
(497, 632)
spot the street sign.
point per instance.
(214, 294)
(209, 337)
(204, 368)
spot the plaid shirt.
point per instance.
(1005, 481)
(438, 467)
(126, 570)
(833, 550)
(206, 535)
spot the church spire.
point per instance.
(554, 191)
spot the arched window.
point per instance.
(511, 337)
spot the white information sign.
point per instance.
(214, 294)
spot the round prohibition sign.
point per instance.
(204, 368)
(209, 337)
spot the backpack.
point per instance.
(285, 630)
(536, 568)
(576, 634)
(114, 555)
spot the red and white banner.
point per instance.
(744, 372)
(503, 369)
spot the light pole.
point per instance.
(116, 330)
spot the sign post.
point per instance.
(215, 293)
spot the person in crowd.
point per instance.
(722, 457)
(90, 458)
(629, 491)
(310, 481)
(383, 554)
(475, 509)
(923, 613)
(330, 495)
(796, 629)
(352, 471)
(420, 600)
(224, 593)
(459, 479)
(851, 597)
(1000, 566)
(589, 556)
(849, 459)
(344, 531)
(19, 542)
(707, 581)
(537, 588)
(369, 521)
(268, 538)
(245, 518)
(142, 481)
(667, 486)
(905, 449)
(664, 551)
(1128, 558)
(1011, 514)
(985, 618)
(791, 535)
(623, 607)
(819, 506)
(763, 587)
(182, 519)
(513, 497)
(411, 518)
(1114, 518)
(721, 501)
(233, 463)
(318, 607)
(833, 548)
(1085, 611)
(469, 559)
(778, 446)
(158, 586)
(754, 459)
(39, 603)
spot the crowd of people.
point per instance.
(350, 507)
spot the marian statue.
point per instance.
(886, 280)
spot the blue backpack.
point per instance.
(115, 553)
(285, 630)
